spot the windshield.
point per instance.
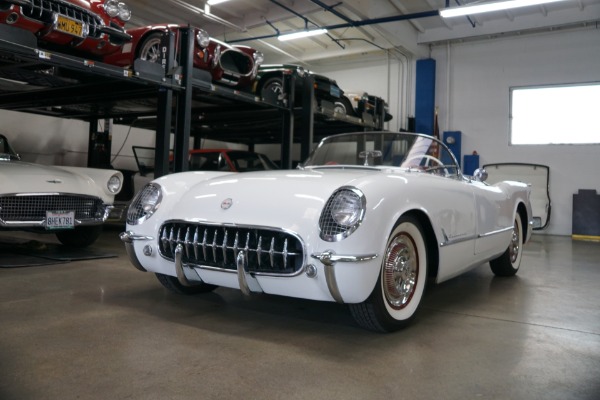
(415, 152)
(6, 152)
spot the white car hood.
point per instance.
(22, 177)
(268, 198)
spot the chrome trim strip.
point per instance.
(482, 235)
(130, 237)
(329, 258)
(448, 242)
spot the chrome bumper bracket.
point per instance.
(329, 259)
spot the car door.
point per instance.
(491, 210)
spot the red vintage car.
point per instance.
(92, 29)
(233, 65)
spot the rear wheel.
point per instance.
(508, 263)
(171, 283)
(401, 284)
(271, 90)
(82, 236)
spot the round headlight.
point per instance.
(343, 214)
(111, 7)
(301, 72)
(202, 38)
(124, 12)
(259, 57)
(346, 209)
(114, 184)
(145, 204)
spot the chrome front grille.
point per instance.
(32, 208)
(44, 10)
(269, 251)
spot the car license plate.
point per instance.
(68, 25)
(60, 220)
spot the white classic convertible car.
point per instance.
(364, 221)
(70, 202)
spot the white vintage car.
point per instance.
(70, 202)
(365, 221)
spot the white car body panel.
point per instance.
(471, 222)
(29, 191)
(23, 177)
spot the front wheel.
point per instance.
(508, 263)
(149, 49)
(171, 283)
(401, 284)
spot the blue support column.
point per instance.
(425, 96)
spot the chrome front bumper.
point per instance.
(248, 283)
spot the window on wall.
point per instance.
(567, 114)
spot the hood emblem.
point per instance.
(54, 181)
(226, 204)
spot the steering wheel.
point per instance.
(427, 167)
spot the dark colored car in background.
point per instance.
(233, 65)
(269, 86)
(92, 29)
(229, 160)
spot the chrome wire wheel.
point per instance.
(508, 263)
(400, 271)
(515, 244)
(401, 283)
(150, 49)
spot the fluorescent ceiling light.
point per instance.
(301, 34)
(213, 2)
(488, 7)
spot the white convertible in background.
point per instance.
(365, 221)
(71, 202)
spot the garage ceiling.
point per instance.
(256, 23)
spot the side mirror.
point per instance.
(480, 175)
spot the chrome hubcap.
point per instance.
(151, 51)
(400, 271)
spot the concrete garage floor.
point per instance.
(100, 329)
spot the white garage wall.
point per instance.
(472, 91)
(388, 75)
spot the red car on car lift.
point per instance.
(91, 29)
(233, 65)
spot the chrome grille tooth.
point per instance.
(204, 238)
(196, 243)
(235, 245)
(163, 238)
(259, 249)
(170, 240)
(247, 247)
(214, 246)
(272, 251)
(224, 249)
(187, 242)
(285, 253)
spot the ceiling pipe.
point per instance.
(332, 10)
(355, 24)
